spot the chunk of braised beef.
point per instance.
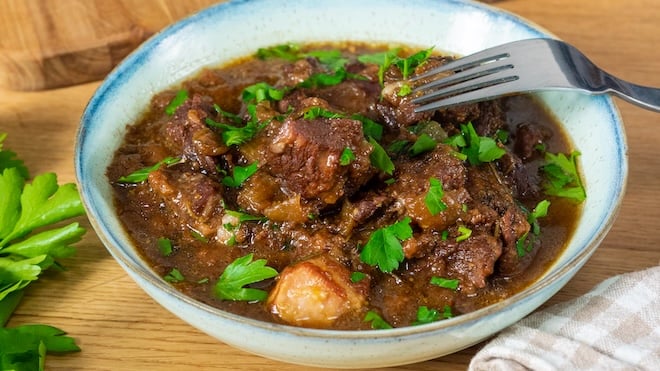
(188, 135)
(528, 137)
(521, 176)
(354, 96)
(473, 261)
(304, 156)
(413, 183)
(194, 198)
(298, 71)
(486, 187)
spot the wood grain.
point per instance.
(119, 327)
(53, 43)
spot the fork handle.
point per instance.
(642, 96)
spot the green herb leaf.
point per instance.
(357, 276)
(426, 315)
(465, 233)
(180, 97)
(347, 156)
(446, 283)
(476, 148)
(377, 322)
(562, 178)
(142, 174)
(319, 80)
(25, 347)
(408, 65)
(174, 276)
(235, 135)
(384, 248)
(379, 158)
(165, 246)
(8, 160)
(241, 174)
(232, 117)
(240, 273)
(290, 52)
(382, 59)
(424, 143)
(370, 128)
(332, 59)
(433, 198)
(260, 92)
(316, 112)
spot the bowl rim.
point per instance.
(113, 80)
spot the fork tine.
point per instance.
(481, 82)
(467, 74)
(469, 92)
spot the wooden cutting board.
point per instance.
(55, 43)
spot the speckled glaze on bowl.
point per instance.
(230, 30)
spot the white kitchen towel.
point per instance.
(615, 326)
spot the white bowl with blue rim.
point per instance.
(229, 30)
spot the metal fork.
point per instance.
(518, 67)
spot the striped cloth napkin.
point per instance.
(616, 326)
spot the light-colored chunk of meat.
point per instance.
(315, 292)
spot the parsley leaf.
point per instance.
(180, 97)
(562, 176)
(241, 174)
(260, 92)
(358, 276)
(174, 276)
(377, 322)
(236, 135)
(465, 233)
(426, 315)
(8, 160)
(25, 347)
(446, 283)
(525, 243)
(347, 156)
(424, 143)
(433, 198)
(384, 247)
(241, 272)
(379, 158)
(476, 148)
(290, 52)
(370, 128)
(141, 175)
(165, 246)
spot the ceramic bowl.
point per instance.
(229, 30)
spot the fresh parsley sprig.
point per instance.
(240, 273)
(477, 149)
(28, 246)
(562, 178)
(384, 247)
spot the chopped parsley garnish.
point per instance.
(245, 217)
(370, 128)
(174, 276)
(447, 283)
(180, 97)
(316, 112)
(424, 143)
(525, 243)
(379, 158)
(165, 246)
(477, 149)
(240, 273)
(260, 92)
(377, 322)
(562, 178)
(235, 135)
(464, 233)
(240, 175)
(319, 80)
(382, 59)
(433, 198)
(384, 247)
(347, 156)
(290, 52)
(408, 65)
(426, 315)
(232, 117)
(357, 276)
(141, 175)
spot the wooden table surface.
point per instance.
(119, 327)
